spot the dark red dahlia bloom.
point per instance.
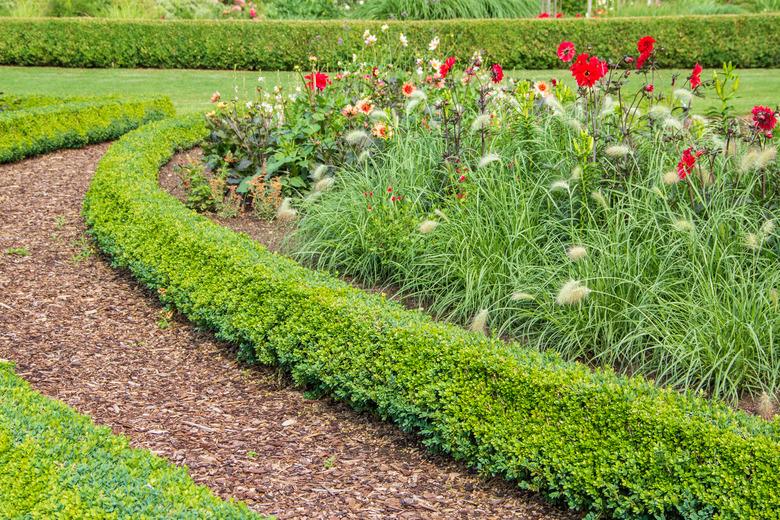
(687, 162)
(317, 80)
(764, 119)
(496, 73)
(559, 15)
(566, 51)
(645, 45)
(446, 67)
(649, 88)
(695, 77)
(587, 70)
(543, 15)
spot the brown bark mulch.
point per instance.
(86, 334)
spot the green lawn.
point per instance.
(190, 89)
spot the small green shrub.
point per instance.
(40, 125)
(588, 438)
(55, 463)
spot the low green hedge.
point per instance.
(55, 463)
(36, 125)
(746, 40)
(591, 439)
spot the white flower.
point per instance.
(576, 253)
(267, 108)
(434, 44)
(420, 71)
(427, 226)
(403, 40)
(370, 40)
(435, 65)
(572, 293)
(385, 27)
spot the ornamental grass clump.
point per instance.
(611, 225)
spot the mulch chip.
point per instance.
(88, 335)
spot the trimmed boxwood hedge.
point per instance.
(35, 125)
(746, 40)
(55, 463)
(591, 439)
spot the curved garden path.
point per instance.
(89, 336)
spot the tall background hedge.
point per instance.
(746, 40)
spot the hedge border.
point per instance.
(592, 439)
(749, 41)
(55, 462)
(49, 124)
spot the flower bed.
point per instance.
(57, 463)
(35, 125)
(746, 40)
(591, 439)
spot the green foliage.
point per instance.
(745, 40)
(55, 463)
(447, 9)
(75, 7)
(41, 124)
(588, 438)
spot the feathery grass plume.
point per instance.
(574, 124)
(749, 160)
(572, 293)
(428, 226)
(412, 104)
(364, 155)
(766, 157)
(521, 296)
(559, 185)
(479, 323)
(286, 211)
(617, 150)
(553, 103)
(324, 184)
(439, 213)
(659, 112)
(608, 107)
(683, 95)
(683, 225)
(657, 191)
(600, 199)
(672, 123)
(705, 176)
(765, 406)
(319, 172)
(576, 253)
(313, 196)
(774, 296)
(768, 227)
(377, 115)
(634, 113)
(752, 241)
(670, 177)
(576, 173)
(480, 122)
(487, 159)
(358, 138)
(419, 95)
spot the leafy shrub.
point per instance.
(38, 126)
(590, 439)
(746, 40)
(57, 463)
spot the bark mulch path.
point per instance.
(88, 335)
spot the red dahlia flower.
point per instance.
(764, 119)
(649, 88)
(317, 80)
(446, 67)
(645, 45)
(566, 51)
(559, 15)
(687, 162)
(543, 15)
(695, 77)
(496, 73)
(587, 70)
